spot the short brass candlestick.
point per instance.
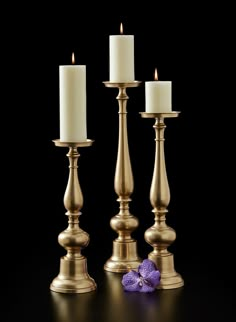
(73, 276)
(124, 255)
(160, 236)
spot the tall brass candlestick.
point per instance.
(73, 276)
(160, 236)
(124, 255)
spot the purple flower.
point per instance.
(144, 280)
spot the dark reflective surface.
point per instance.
(140, 306)
(79, 307)
(26, 297)
(111, 303)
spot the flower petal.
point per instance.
(153, 278)
(131, 281)
(146, 268)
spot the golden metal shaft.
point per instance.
(124, 183)
(124, 255)
(160, 236)
(73, 276)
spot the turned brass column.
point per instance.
(124, 256)
(160, 236)
(73, 276)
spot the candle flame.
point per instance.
(155, 74)
(73, 58)
(121, 28)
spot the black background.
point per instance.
(183, 42)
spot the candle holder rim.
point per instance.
(160, 115)
(81, 144)
(122, 84)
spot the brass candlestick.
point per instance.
(160, 236)
(73, 276)
(124, 255)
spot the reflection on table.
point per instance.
(109, 303)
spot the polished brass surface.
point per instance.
(73, 276)
(73, 144)
(124, 256)
(122, 85)
(160, 236)
(160, 115)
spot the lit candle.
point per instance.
(73, 103)
(121, 57)
(158, 96)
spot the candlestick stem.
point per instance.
(124, 255)
(160, 236)
(73, 276)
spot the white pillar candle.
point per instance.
(121, 57)
(73, 103)
(158, 96)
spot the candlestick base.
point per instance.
(73, 277)
(169, 277)
(124, 257)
